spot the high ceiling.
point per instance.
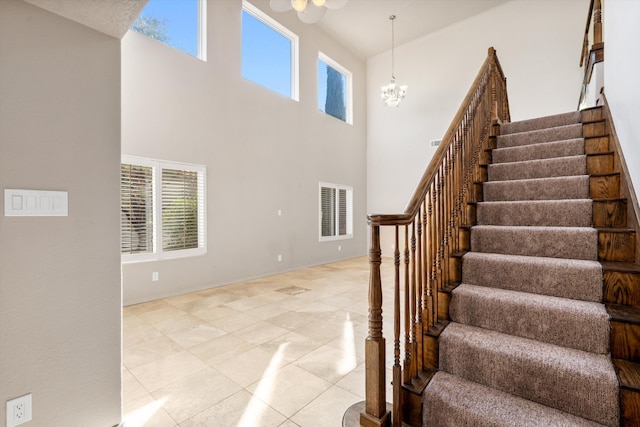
(362, 25)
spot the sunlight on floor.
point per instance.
(141, 416)
(348, 362)
(252, 414)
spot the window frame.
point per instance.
(288, 34)
(157, 253)
(349, 210)
(201, 32)
(348, 86)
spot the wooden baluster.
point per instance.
(420, 252)
(421, 303)
(397, 370)
(376, 413)
(433, 248)
(409, 295)
(416, 331)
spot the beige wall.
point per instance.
(60, 295)
(539, 49)
(263, 152)
(621, 82)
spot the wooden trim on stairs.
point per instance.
(626, 186)
(615, 215)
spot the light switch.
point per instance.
(35, 203)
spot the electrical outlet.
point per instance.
(279, 258)
(339, 248)
(19, 410)
(155, 276)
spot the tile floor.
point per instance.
(285, 350)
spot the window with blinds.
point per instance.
(179, 209)
(163, 209)
(336, 214)
(136, 209)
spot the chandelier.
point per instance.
(309, 11)
(393, 93)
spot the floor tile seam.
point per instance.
(150, 392)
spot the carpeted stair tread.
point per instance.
(540, 123)
(558, 133)
(581, 383)
(553, 320)
(554, 242)
(567, 278)
(565, 213)
(542, 168)
(546, 150)
(451, 401)
(558, 188)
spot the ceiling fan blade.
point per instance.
(280, 5)
(335, 4)
(312, 14)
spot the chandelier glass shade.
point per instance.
(392, 94)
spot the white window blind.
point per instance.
(136, 209)
(163, 209)
(336, 212)
(181, 227)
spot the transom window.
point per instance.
(180, 24)
(269, 52)
(162, 209)
(336, 212)
(334, 89)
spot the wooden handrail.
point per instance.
(429, 231)
(427, 178)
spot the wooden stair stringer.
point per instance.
(615, 215)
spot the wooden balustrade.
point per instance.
(427, 235)
(592, 47)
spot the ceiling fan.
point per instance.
(309, 11)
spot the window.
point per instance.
(176, 23)
(336, 212)
(162, 208)
(334, 89)
(269, 52)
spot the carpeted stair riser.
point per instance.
(547, 150)
(540, 123)
(554, 242)
(559, 188)
(567, 278)
(545, 168)
(451, 401)
(560, 133)
(581, 383)
(553, 320)
(568, 213)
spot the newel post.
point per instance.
(375, 413)
(597, 22)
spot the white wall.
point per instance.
(60, 295)
(263, 152)
(538, 44)
(621, 82)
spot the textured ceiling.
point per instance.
(112, 17)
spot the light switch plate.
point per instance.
(35, 203)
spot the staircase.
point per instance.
(529, 341)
